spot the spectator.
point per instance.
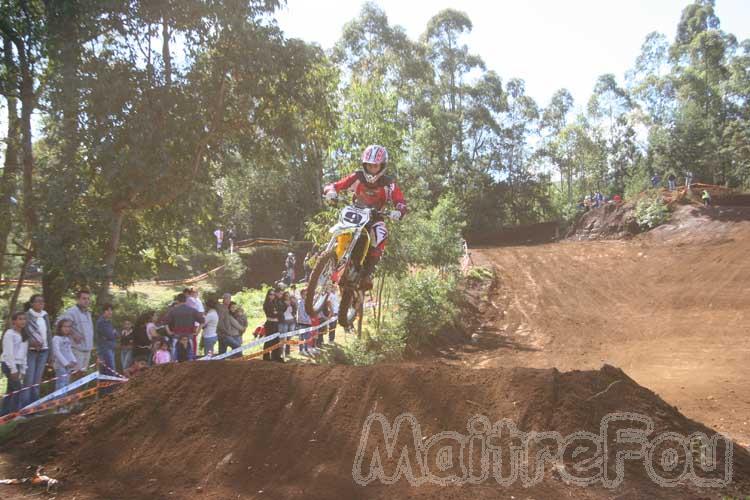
(64, 361)
(138, 366)
(289, 264)
(219, 234)
(209, 329)
(231, 235)
(672, 181)
(334, 305)
(181, 320)
(228, 329)
(13, 362)
(162, 356)
(106, 340)
(237, 326)
(688, 179)
(706, 197)
(195, 302)
(598, 199)
(184, 351)
(271, 326)
(324, 315)
(83, 328)
(144, 335)
(306, 266)
(126, 344)
(655, 180)
(303, 321)
(288, 316)
(38, 331)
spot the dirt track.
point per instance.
(671, 308)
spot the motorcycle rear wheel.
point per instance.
(350, 307)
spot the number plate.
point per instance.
(354, 216)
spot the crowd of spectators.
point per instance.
(187, 329)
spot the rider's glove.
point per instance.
(331, 195)
(395, 215)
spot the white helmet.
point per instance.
(374, 155)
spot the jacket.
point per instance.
(35, 335)
(377, 195)
(83, 328)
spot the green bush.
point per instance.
(388, 345)
(230, 277)
(651, 212)
(426, 304)
(480, 274)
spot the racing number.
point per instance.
(352, 217)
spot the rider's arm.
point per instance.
(341, 185)
(398, 200)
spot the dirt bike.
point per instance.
(341, 263)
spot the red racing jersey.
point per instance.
(376, 195)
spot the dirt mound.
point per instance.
(609, 222)
(261, 430)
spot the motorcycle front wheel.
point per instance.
(320, 279)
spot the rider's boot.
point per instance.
(368, 269)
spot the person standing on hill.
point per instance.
(672, 181)
(83, 328)
(706, 197)
(688, 179)
(656, 180)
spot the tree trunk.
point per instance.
(110, 256)
(27, 107)
(19, 285)
(8, 184)
(166, 56)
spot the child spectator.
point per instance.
(144, 335)
(15, 350)
(64, 361)
(126, 344)
(162, 355)
(138, 366)
(183, 351)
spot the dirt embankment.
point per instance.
(670, 307)
(259, 430)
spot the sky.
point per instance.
(550, 44)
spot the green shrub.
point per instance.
(230, 277)
(388, 345)
(480, 274)
(425, 304)
(651, 212)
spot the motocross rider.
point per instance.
(372, 188)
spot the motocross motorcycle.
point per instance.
(341, 262)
